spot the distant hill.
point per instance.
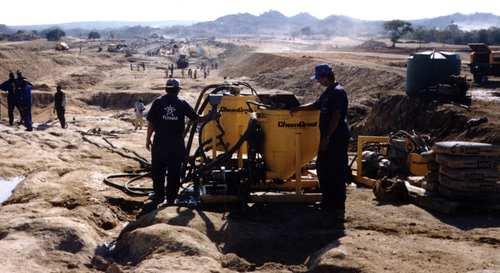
(464, 21)
(105, 25)
(268, 23)
(274, 22)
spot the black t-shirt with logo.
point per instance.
(333, 99)
(167, 116)
(59, 100)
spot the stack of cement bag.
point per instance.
(431, 183)
(468, 171)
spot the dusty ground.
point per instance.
(62, 218)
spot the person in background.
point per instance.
(60, 106)
(23, 94)
(139, 109)
(10, 86)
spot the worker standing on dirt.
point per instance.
(139, 109)
(332, 160)
(195, 74)
(23, 95)
(60, 106)
(10, 86)
(166, 119)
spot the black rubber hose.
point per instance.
(227, 155)
(125, 187)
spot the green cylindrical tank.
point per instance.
(429, 68)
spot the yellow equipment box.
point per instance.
(417, 165)
(290, 141)
(233, 121)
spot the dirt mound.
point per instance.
(240, 237)
(293, 74)
(41, 87)
(372, 44)
(82, 80)
(120, 100)
(334, 258)
(163, 238)
(55, 216)
(441, 121)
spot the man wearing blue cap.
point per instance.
(166, 120)
(332, 161)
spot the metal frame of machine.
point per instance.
(223, 172)
(415, 164)
(358, 175)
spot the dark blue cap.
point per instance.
(173, 83)
(322, 70)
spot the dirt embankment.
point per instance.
(378, 104)
(120, 100)
(293, 74)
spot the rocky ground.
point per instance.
(63, 218)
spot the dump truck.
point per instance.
(62, 46)
(484, 62)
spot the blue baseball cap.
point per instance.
(322, 70)
(173, 83)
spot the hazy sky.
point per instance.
(27, 12)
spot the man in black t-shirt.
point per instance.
(60, 106)
(10, 86)
(332, 160)
(166, 119)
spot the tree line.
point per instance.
(51, 34)
(452, 34)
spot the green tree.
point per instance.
(93, 35)
(4, 29)
(396, 29)
(306, 31)
(54, 34)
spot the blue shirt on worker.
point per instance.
(334, 98)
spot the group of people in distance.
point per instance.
(19, 97)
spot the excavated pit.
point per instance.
(120, 100)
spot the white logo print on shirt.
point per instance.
(170, 113)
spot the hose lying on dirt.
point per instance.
(143, 162)
(126, 187)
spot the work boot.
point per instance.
(147, 208)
